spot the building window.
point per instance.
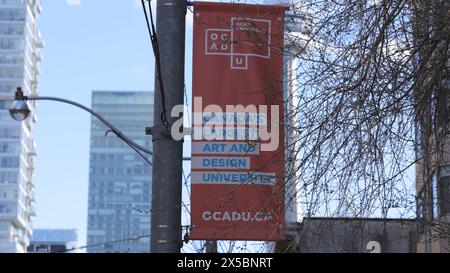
(12, 15)
(42, 248)
(9, 162)
(446, 86)
(434, 188)
(5, 209)
(444, 186)
(421, 205)
(16, 29)
(58, 248)
(8, 177)
(108, 246)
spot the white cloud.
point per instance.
(74, 2)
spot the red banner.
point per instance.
(238, 135)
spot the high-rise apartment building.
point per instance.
(20, 44)
(119, 179)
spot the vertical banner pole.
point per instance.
(167, 152)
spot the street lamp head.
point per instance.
(19, 109)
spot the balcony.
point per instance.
(32, 150)
(39, 42)
(31, 196)
(38, 56)
(32, 210)
(15, 219)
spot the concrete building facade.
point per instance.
(433, 124)
(352, 235)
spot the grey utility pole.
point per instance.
(167, 153)
(211, 246)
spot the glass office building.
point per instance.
(20, 44)
(120, 180)
(54, 240)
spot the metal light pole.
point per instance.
(168, 153)
(19, 111)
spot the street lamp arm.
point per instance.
(116, 131)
